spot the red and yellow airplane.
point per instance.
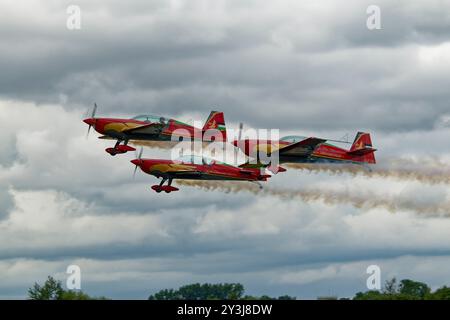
(298, 149)
(195, 168)
(148, 127)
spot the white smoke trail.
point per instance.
(363, 201)
(165, 145)
(428, 171)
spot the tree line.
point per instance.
(405, 289)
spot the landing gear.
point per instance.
(158, 188)
(166, 189)
(119, 149)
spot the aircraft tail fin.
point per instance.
(216, 121)
(362, 149)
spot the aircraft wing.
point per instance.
(302, 148)
(181, 172)
(106, 138)
(185, 174)
(150, 129)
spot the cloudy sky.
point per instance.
(301, 66)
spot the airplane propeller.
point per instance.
(139, 157)
(94, 111)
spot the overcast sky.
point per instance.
(304, 67)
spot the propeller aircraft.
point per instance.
(299, 149)
(194, 167)
(149, 127)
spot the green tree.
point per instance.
(390, 287)
(440, 294)
(406, 290)
(51, 290)
(414, 289)
(389, 292)
(221, 291)
(166, 294)
(74, 295)
(370, 295)
(286, 297)
(206, 291)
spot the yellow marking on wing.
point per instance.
(267, 147)
(171, 167)
(121, 126)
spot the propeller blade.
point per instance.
(241, 126)
(89, 130)
(139, 156)
(94, 111)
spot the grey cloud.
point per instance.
(304, 68)
(154, 58)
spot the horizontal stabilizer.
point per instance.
(361, 152)
(271, 168)
(276, 169)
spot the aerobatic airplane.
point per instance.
(298, 149)
(195, 168)
(148, 127)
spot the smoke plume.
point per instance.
(428, 171)
(365, 201)
(164, 145)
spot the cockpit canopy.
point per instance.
(193, 159)
(293, 139)
(150, 118)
